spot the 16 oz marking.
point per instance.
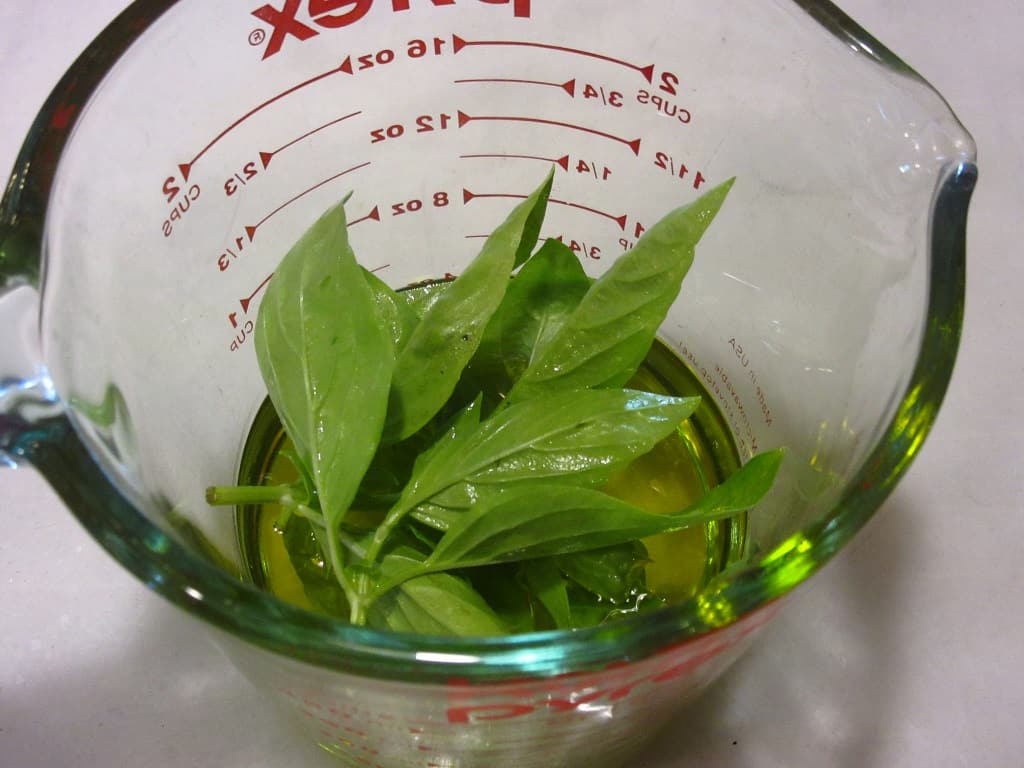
(415, 49)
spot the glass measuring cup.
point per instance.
(848, 329)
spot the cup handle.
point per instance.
(27, 396)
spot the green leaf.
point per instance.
(429, 366)
(433, 604)
(605, 339)
(420, 298)
(538, 300)
(327, 362)
(311, 563)
(539, 521)
(504, 590)
(545, 580)
(585, 435)
(396, 314)
(612, 573)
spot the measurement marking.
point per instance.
(569, 86)
(186, 168)
(248, 299)
(266, 157)
(633, 144)
(476, 237)
(648, 72)
(251, 230)
(467, 196)
(373, 215)
(562, 161)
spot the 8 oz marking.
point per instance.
(439, 200)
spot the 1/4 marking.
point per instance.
(590, 168)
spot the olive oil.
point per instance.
(676, 473)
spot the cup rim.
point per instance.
(263, 620)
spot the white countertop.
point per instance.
(905, 651)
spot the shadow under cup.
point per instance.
(191, 145)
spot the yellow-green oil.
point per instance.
(677, 472)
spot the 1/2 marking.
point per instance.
(667, 163)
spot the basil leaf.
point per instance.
(611, 573)
(432, 604)
(585, 435)
(605, 339)
(521, 524)
(428, 368)
(545, 580)
(326, 360)
(420, 298)
(394, 313)
(538, 300)
(503, 587)
(313, 569)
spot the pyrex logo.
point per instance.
(334, 14)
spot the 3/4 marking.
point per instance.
(569, 86)
(607, 96)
